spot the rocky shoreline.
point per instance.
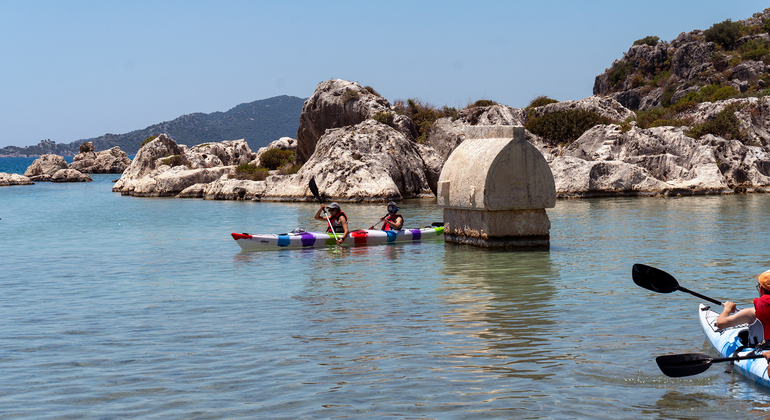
(367, 160)
(353, 156)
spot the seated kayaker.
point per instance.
(393, 220)
(757, 317)
(337, 220)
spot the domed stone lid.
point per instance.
(495, 168)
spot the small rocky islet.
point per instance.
(655, 126)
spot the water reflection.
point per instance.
(502, 298)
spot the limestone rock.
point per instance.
(660, 160)
(446, 135)
(602, 105)
(575, 177)
(43, 168)
(113, 161)
(224, 153)
(70, 175)
(692, 58)
(339, 103)
(163, 168)
(7, 179)
(225, 189)
(363, 162)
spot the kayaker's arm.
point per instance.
(397, 224)
(318, 214)
(744, 316)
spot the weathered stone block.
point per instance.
(494, 189)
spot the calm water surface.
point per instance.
(122, 307)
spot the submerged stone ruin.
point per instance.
(494, 188)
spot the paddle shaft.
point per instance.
(714, 301)
(381, 220)
(659, 281)
(737, 358)
(314, 189)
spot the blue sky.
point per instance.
(71, 70)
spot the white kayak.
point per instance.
(726, 342)
(303, 239)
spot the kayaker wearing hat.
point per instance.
(337, 219)
(393, 220)
(760, 312)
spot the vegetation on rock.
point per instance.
(423, 115)
(147, 140)
(385, 117)
(250, 172)
(648, 40)
(725, 124)
(542, 100)
(275, 158)
(724, 33)
(562, 126)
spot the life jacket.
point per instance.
(762, 308)
(335, 221)
(391, 218)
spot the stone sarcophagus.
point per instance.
(495, 188)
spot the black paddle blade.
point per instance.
(314, 189)
(654, 279)
(678, 365)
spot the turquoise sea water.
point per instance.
(123, 307)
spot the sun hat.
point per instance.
(333, 205)
(764, 280)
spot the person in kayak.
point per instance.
(393, 220)
(758, 317)
(337, 219)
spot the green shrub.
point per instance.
(676, 122)
(724, 92)
(542, 100)
(766, 25)
(620, 71)
(450, 111)
(175, 160)
(645, 119)
(661, 78)
(648, 40)
(372, 91)
(250, 172)
(350, 95)
(754, 50)
(423, 115)
(483, 102)
(147, 140)
(668, 93)
(84, 148)
(724, 33)
(274, 158)
(564, 126)
(725, 124)
(386, 118)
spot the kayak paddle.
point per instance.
(378, 222)
(314, 190)
(678, 365)
(659, 281)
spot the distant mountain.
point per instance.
(259, 122)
